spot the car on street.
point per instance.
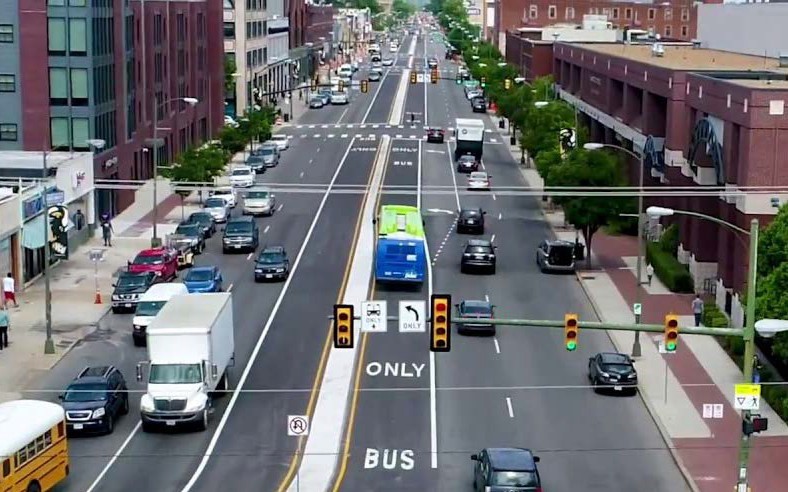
(256, 162)
(325, 94)
(193, 232)
(272, 264)
(467, 164)
(481, 310)
(316, 101)
(435, 134)
(555, 255)
(94, 400)
(473, 94)
(228, 193)
(339, 97)
(240, 234)
(479, 180)
(161, 261)
(270, 154)
(259, 201)
(374, 75)
(377, 65)
(218, 209)
(432, 62)
(479, 105)
(506, 470)
(345, 71)
(281, 140)
(612, 371)
(471, 220)
(387, 62)
(203, 279)
(206, 222)
(478, 254)
(229, 121)
(128, 289)
(242, 177)
(354, 65)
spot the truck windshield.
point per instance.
(175, 374)
(149, 308)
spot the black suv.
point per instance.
(506, 470)
(194, 232)
(95, 399)
(478, 254)
(612, 371)
(471, 220)
(272, 264)
(128, 290)
(467, 164)
(241, 233)
(206, 222)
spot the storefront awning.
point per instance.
(33, 234)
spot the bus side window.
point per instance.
(60, 430)
(6, 467)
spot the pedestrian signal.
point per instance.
(343, 326)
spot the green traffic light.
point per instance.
(670, 347)
(570, 346)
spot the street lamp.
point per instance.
(502, 64)
(769, 327)
(155, 241)
(636, 349)
(541, 104)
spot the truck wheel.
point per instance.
(203, 424)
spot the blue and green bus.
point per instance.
(401, 250)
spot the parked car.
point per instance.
(270, 155)
(481, 310)
(218, 209)
(556, 256)
(194, 233)
(95, 399)
(183, 248)
(256, 162)
(478, 254)
(240, 234)
(228, 193)
(203, 279)
(161, 261)
(316, 101)
(259, 201)
(612, 371)
(467, 164)
(205, 220)
(272, 264)
(435, 134)
(128, 289)
(471, 220)
(325, 94)
(281, 140)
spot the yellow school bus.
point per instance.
(33, 447)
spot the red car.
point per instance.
(161, 261)
(435, 135)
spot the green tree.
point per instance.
(197, 165)
(543, 126)
(229, 74)
(582, 168)
(232, 140)
(773, 244)
(772, 302)
(401, 9)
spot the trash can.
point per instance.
(501, 124)
(286, 117)
(580, 251)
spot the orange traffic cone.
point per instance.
(98, 297)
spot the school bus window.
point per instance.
(6, 468)
(61, 429)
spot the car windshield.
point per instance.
(470, 213)
(267, 151)
(149, 260)
(480, 250)
(175, 374)
(254, 159)
(199, 276)
(259, 195)
(149, 308)
(514, 479)
(132, 281)
(269, 258)
(476, 309)
(468, 158)
(201, 218)
(215, 203)
(238, 227)
(562, 254)
(242, 172)
(617, 367)
(188, 229)
(86, 392)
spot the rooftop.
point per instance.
(761, 84)
(18, 159)
(685, 57)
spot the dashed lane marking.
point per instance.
(497, 345)
(266, 229)
(279, 209)
(249, 256)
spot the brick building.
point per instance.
(78, 70)
(701, 118)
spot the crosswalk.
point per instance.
(375, 136)
(372, 126)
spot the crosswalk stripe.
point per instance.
(398, 136)
(330, 135)
(344, 135)
(324, 126)
(312, 126)
(317, 135)
(413, 136)
(375, 126)
(358, 135)
(493, 140)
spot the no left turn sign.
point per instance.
(297, 425)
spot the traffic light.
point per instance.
(440, 333)
(484, 81)
(413, 77)
(341, 85)
(754, 423)
(364, 86)
(434, 76)
(671, 332)
(570, 331)
(507, 84)
(314, 85)
(343, 326)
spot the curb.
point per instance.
(71, 347)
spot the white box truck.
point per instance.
(191, 345)
(470, 138)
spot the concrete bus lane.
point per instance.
(388, 444)
(111, 343)
(254, 446)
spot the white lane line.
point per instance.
(509, 407)
(280, 207)
(252, 359)
(486, 298)
(342, 115)
(330, 135)
(418, 182)
(249, 256)
(310, 161)
(115, 456)
(500, 215)
(483, 166)
(344, 135)
(497, 346)
(492, 239)
(266, 229)
(494, 198)
(453, 177)
(230, 288)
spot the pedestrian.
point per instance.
(697, 309)
(79, 220)
(649, 273)
(412, 117)
(9, 290)
(106, 230)
(5, 323)
(300, 94)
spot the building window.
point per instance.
(7, 82)
(651, 14)
(551, 12)
(56, 3)
(229, 30)
(684, 15)
(56, 33)
(58, 87)
(628, 14)
(615, 12)
(79, 86)
(6, 33)
(668, 30)
(59, 133)
(684, 31)
(533, 11)
(80, 131)
(8, 132)
(77, 3)
(570, 13)
(668, 14)
(77, 37)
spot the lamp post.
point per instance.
(766, 327)
(155, 241)
(636, 349)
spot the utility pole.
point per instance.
(49, 344)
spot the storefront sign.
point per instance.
(32, 207)
(77, 178)
(55, 197)
(58, 235)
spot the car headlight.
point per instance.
(258, 270)
(196, 404)
(280, 270)
(98, 413)
(632, 376)
(146, 403)
(115, 297)
(604, 374)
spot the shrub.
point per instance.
(673, 274)
(713, 317)
(669, 242)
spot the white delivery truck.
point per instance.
(470, 138)
(149, 306)
(190, 348)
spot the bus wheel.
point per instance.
(34, 487)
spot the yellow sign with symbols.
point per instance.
(747, 390)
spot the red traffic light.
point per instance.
(571, 323)
(571, 334)
(440, 306)
(672, 335)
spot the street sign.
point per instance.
(412, 316)
(373, 316)
(637, 308)
(55, 197)
(747, 397)
(297, 425)
(712, 410)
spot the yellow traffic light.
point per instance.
(413, 77)
(570, 331)
(440, 333)
(671, 332)
(434, 76)
(364, 86)
(507, 84)
(343, 326)
(341, 85)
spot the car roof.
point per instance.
(242, 218)
(151, 252)
(243, 168)
(224, 190)
(207, 268)
(477, 303)
(274, 249)
(478, 174)
(479, 242)
(126, 273)
(615, 358)
(511, 459)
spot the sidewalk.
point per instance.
(674, 387)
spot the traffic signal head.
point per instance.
(507, 84)
(343, 326)
(434, 76)
(364, 86)
(570, 331)
(440, 333)
(341, 85)
(753, 424)
(413, 77)
(671, 332)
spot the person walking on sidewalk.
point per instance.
(649, 273)
(5, 322)
(106, 230)
(697, 309)
(9, 290)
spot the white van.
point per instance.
(345, 71)
(149, 306)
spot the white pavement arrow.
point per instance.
(436, 151)
(440, 210)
